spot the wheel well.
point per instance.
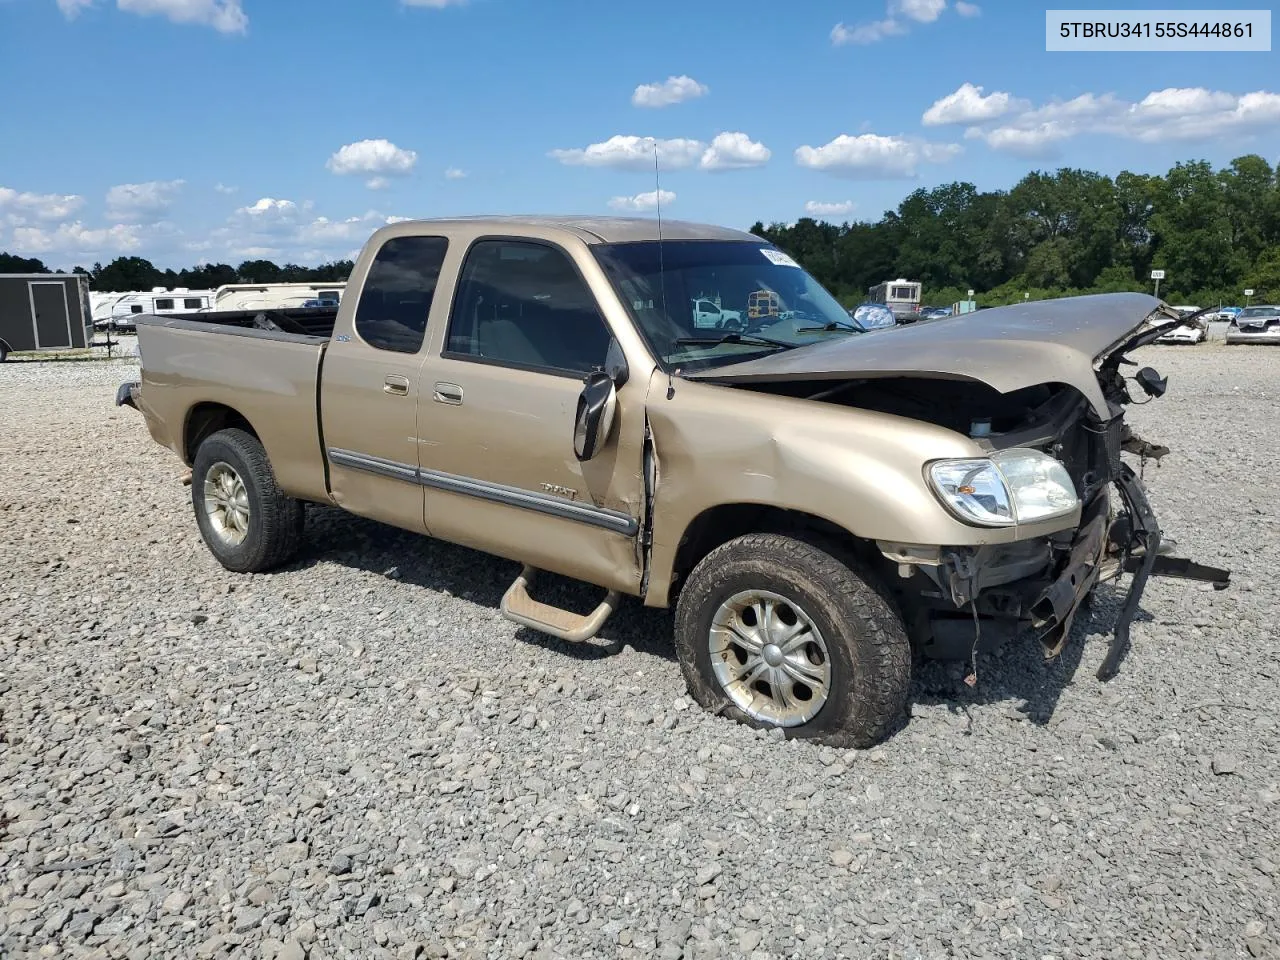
(718, 525)
(206, 419)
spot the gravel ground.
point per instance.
(358, 757)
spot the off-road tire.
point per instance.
(275, 519)
(869, 652)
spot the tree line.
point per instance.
(135, 273)
(1214, 233)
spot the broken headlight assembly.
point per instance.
(1012, 486)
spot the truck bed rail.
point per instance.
(305, 323)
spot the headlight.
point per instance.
(1011, 486)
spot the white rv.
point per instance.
(117, 310)
(275, 296)
(900, 296)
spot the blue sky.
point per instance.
(190, 130)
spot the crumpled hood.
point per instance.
(1007, 348)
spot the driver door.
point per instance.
(498, 398)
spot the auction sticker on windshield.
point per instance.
(778, 258)
(1158, 30)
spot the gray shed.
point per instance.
(44, 311)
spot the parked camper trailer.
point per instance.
(117, 311)
(43, 311)
(900, 296)
(275, 296)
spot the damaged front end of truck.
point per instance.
(1053, 377)
(988, 590)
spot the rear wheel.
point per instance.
(244, 518)
(777, 631)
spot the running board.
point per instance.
(521, 608)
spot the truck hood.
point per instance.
(1006, 348)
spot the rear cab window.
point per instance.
(397, 294)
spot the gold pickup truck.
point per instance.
(817, 501)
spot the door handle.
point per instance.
(448, 393)
(397, 385)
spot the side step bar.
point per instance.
(521, 608)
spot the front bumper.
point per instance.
(1247, 335)
(988, 607)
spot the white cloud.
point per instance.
(21, 207)
(377, 183)
(379, 159)
(643, 201)
(921, 11)
(454, 173)
(142, 202)
(867, 32)
(873, 157)
(225, 16)
(224, 189)
(968, 9)
(899, 16)
(1169, 115)
(670, 91)
(256, 253)
(824, 208)
(634, 153)
(291, 231)
(968, 105)
(75, 239)
(734, 151)
(268, 209)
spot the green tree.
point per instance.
(258, 271)
(10, 263)
(127, 273)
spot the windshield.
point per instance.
(706, 303)
(1259, 312)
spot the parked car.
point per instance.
(815, 501)
(1260, 324)
(1190, 328)
(1225, 314)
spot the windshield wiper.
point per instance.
(749, 338)
(832, 326)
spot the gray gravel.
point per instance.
(358, 757)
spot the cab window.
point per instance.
(396, 299)
(523, 304)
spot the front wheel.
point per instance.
(776, 631)
(244, 518)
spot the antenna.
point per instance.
(662, 267)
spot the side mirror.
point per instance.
(597, 406)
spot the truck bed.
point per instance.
(262, 364)
(306, 322)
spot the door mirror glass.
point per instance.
(597, 406)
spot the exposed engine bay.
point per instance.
(958, 600)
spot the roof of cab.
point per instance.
(599, 229)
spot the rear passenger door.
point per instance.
(369, 385)
(496, 420)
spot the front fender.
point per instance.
(860, 470)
